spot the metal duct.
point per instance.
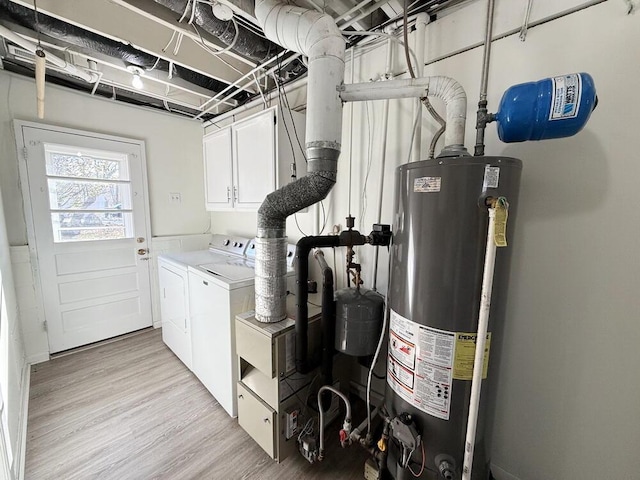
(316, 36)
(248, 43)
(80, 37)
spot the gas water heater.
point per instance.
(440, 234)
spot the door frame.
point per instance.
(23, 179)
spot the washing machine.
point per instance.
(219, 285)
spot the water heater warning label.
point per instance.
(567, 92)
(466, 353)
(421, 362)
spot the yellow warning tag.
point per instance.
(502, 213)
(465, 353)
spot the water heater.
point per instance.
(440, 234)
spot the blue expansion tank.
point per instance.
(551, 108)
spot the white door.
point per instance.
(217, 170)
(88, 213)
(255, 167)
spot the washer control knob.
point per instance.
(289, 254)
(226, 242)
(235, 244)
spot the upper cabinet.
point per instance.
(218, 172)
(251, 158)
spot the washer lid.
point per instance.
(232, 269)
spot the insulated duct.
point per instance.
(317, 36)
(445, 88)
(247, 42)
(79, 37)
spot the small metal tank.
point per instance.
(358, 321)
(555, 107)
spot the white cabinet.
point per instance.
(174, 309)
(253, 157)
(218, 172)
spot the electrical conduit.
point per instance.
(422, 20)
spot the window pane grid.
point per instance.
(90, 198)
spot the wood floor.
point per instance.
(130, 410)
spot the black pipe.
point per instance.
(303, 247)
(327, 325)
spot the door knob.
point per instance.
(140, 239)
(142, 251)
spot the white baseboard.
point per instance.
(501, 474)
(20, 457)
(38, 358)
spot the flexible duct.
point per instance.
(80, 37)
(316, 36)
(247, 43)
(85, 75)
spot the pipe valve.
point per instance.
(380, 235)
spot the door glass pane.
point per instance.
(88, 195)
(66, 164)
(82, 226)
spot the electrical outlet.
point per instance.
(336, 229)
(175, 198)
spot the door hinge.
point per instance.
(275, 119)
(25, 153)
(45, 325)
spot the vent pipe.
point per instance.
(317, 36)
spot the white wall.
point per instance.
(174, 151)
(568, 389)
(12, 360)
(174, 164)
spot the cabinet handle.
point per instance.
(235, 193)
(240, 396)
(204, 282)
(228, 194)
(266, 420)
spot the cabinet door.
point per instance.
(218, 175)
(257, 419)
(255, 160)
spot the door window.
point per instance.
(89, 194)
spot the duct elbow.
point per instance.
(455, 99)
(311, 33)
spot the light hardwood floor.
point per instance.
(130, 410)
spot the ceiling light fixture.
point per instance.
(136, 81)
